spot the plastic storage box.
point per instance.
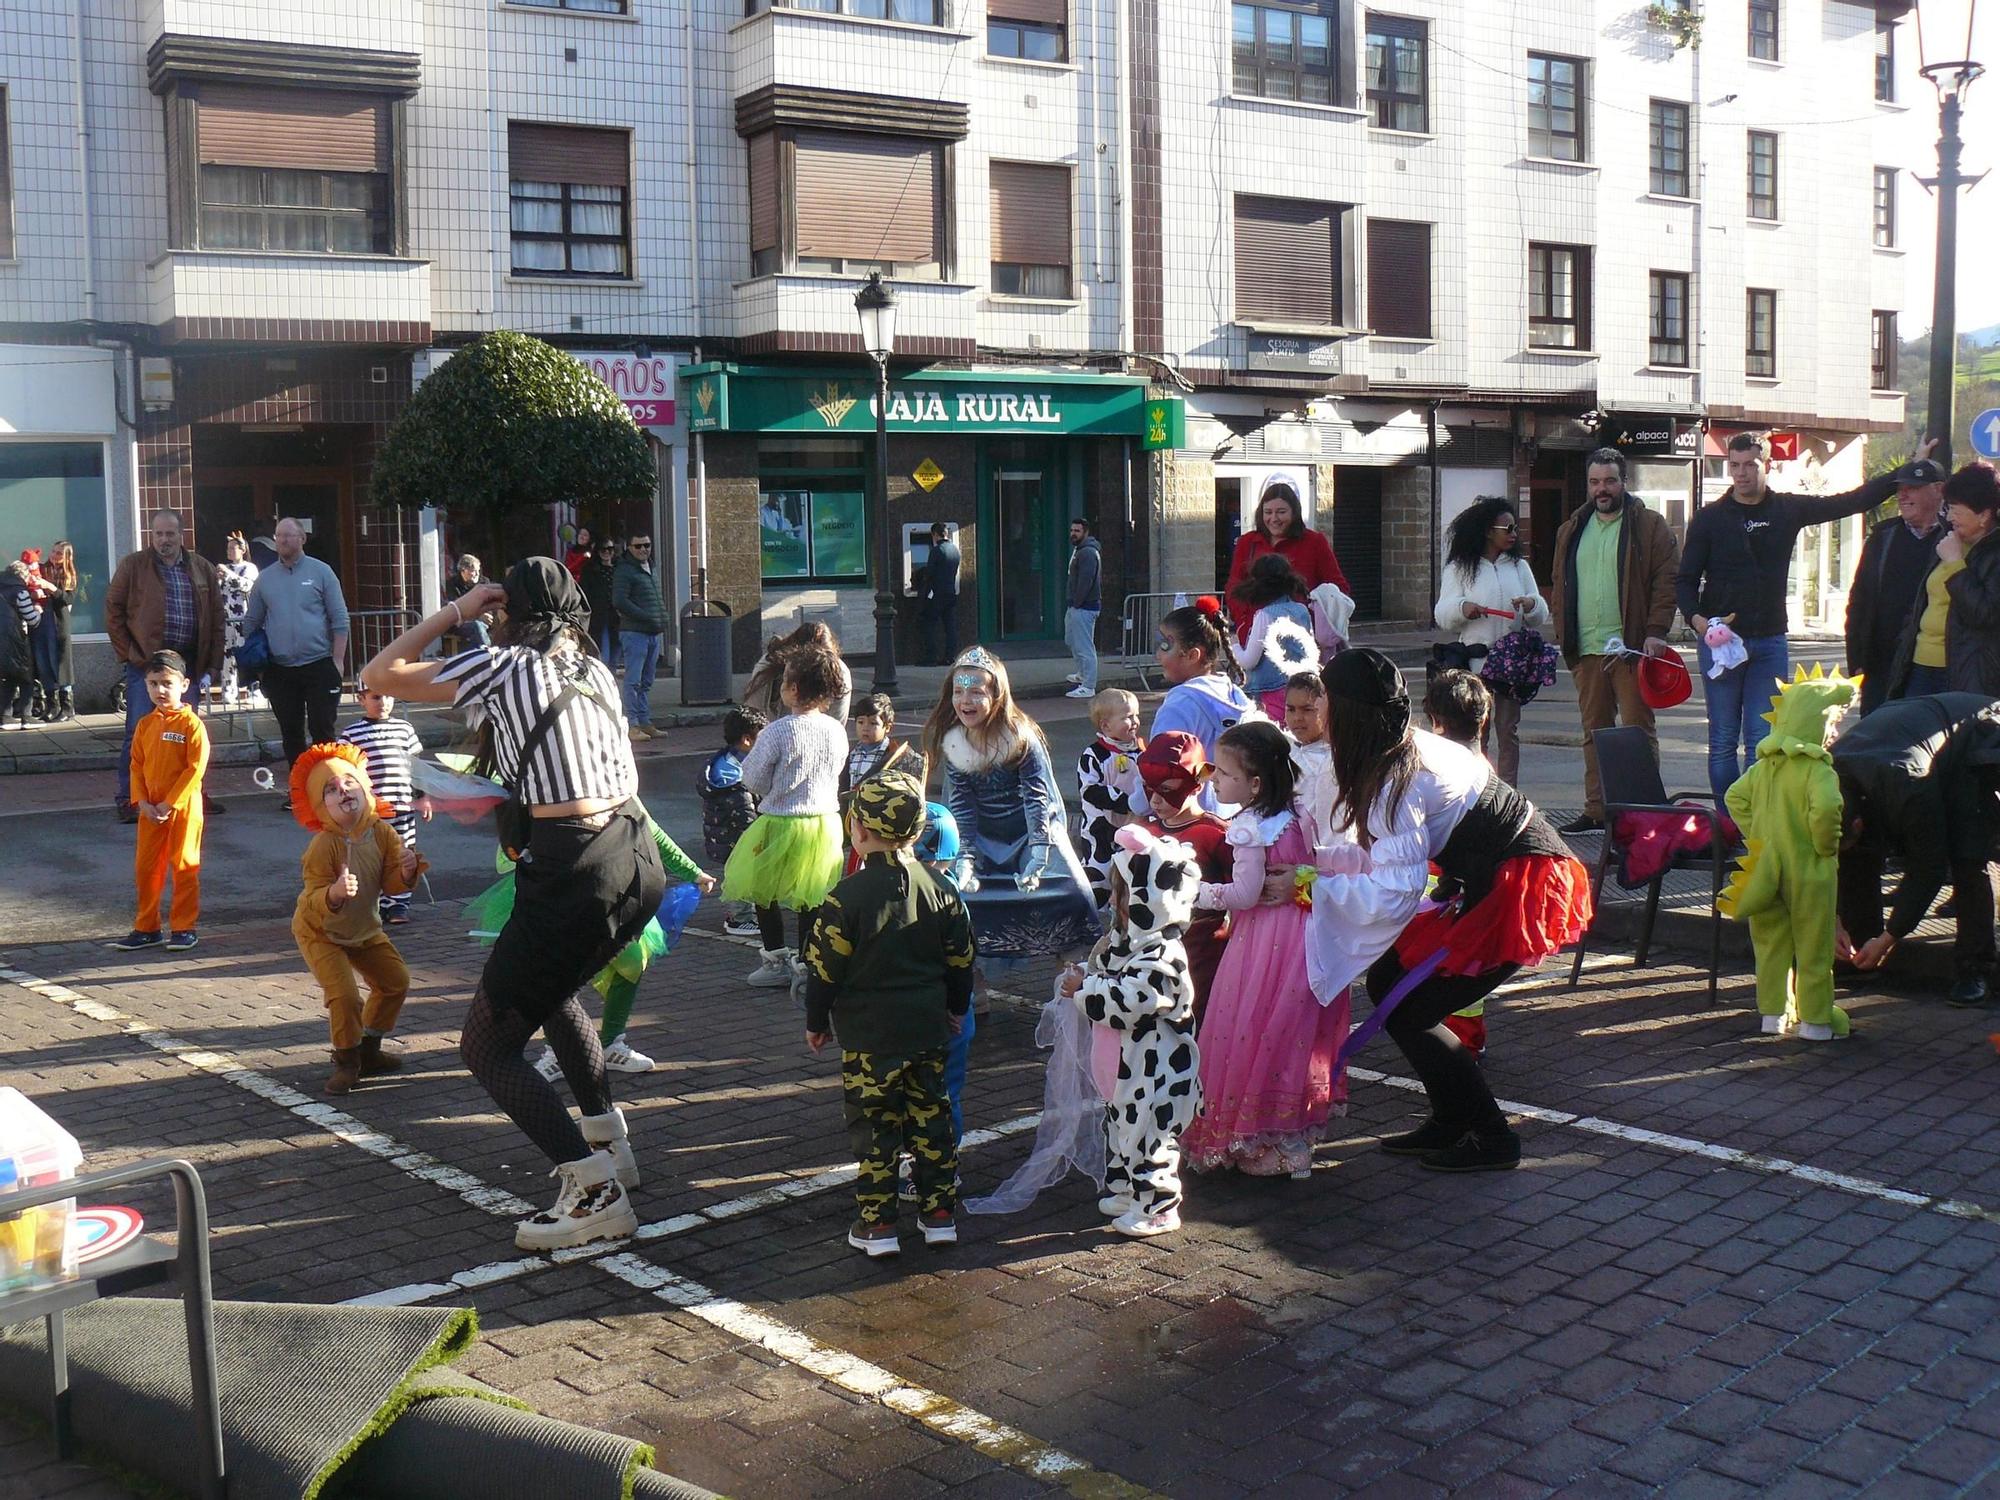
(39, 1244)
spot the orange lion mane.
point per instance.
(303, 806)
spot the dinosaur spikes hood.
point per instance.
(1161, 877)
(1804, 711)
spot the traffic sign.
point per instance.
(1986, 433)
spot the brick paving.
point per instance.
(1617, 1317)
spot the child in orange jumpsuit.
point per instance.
(356, 858)
(169, 757)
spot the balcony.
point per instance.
(807, 314)
(815, 49)
(259, 297)
(358, 26)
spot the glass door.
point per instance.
(1022, 567)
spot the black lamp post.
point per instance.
(1951, 79)
(876, 306)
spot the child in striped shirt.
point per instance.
(391, 746)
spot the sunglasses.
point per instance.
(1510, 528)
(642, 546)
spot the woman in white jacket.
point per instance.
(1489, 590)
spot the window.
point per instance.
(595, 7)
(569, 188)
(1555, 107)
(1668, 305)
(1885, 207)
(1885, 61)
(812, 508)
(1883, 355)
(296, 170)
(1670, 148)
(1558, 297)
(916, 12)
(1397, 87)
(1283, 51)
(1288, 267)
(1031, 239)
(1764, 30)
(852, 203)
(50, 490)
(1760, 333)
(6, 182)
(1030, 29)
(1763, 172)
(1399, 279)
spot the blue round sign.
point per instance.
(1986, 433)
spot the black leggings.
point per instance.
(1450, 1074)
(492, 1045)
(771, 927)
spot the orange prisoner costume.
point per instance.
(345, 945)
(169, 757)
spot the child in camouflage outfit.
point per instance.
(888, 962)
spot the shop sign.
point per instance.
(813, 533)
(1297, 353)
(1784, 447)
(1662, 437)
(729, 400)
(646, 386)
(928, 475)
(1166, 425)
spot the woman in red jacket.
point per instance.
(1281, 528)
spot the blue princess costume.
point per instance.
(1016, 867)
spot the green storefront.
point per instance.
(1005, 458)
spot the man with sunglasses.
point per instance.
(1615, 566)
(642, 623)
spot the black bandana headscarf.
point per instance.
(540, 592)
(1365, 676)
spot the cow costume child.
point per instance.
(1109, 791)
(1137, 983)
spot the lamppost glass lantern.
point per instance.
(875, 305)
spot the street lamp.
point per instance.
(875, 304)
(1951, 77)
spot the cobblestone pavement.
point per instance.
(1728, 1265)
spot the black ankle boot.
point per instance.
(1433, 1135)
(1494, 1149)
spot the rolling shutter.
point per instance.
(1030, 214)
(568, 153)
(764, 191)
(302, 129)
(1286, 256)
(866, 197)
(1399, 278)
(1038, 12)
(6, 183)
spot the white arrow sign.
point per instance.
(1986, 433)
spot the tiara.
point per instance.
(977, 657)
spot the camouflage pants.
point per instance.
(895, 1105)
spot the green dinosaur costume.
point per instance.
(1788, 807)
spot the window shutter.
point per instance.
(1399, 278)
(6, 183)
(1285, 256)
(1030, 214)
(302, 129)
(568, 153)
(764, 191)
(866, 197)
(1041, 12)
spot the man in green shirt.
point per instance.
(1614, 579)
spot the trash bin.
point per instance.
(705, 674)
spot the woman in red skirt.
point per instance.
(1509, 895)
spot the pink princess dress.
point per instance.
(1267, 1044)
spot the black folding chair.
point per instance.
(1631, 779)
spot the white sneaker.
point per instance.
(548, 1067)
(906, 1180)
(1115, 1205)
(1811, 1032)
(622, 1057)
(1142, 1226)
(1080, 691)
(1774, 1026)
(774, 973)
(591, 1206)
(607, 1133)
(741, 926)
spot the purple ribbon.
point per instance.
(1360, 1036)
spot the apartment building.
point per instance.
(1149, 258)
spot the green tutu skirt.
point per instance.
(790, 861)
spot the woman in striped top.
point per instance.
(585, 886)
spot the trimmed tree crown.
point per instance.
(510, 422)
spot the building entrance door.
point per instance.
(253, 500)
(1023, 543)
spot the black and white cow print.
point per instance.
(1137, 982)
(1108, 789)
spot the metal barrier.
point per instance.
(1138, 632)
(368, 631)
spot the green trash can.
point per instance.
(705, 674)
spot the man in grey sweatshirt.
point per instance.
(1086, 598)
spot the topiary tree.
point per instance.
(508, 423)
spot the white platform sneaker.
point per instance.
(591, 1206)
(607, 1133)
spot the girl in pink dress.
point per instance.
(1267, 1044)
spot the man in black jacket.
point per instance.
(1889, 580)
(938, 584)
(1733, 570)
(1921, 781)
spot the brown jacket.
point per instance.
(135, 611)
(1648, 560)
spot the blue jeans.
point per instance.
(1737, 702)
(956, 1052)
(1080, 635)
(607, 649)
(1925, 681)
(642, 657)
(138, 703)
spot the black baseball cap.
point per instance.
(1920, 471)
